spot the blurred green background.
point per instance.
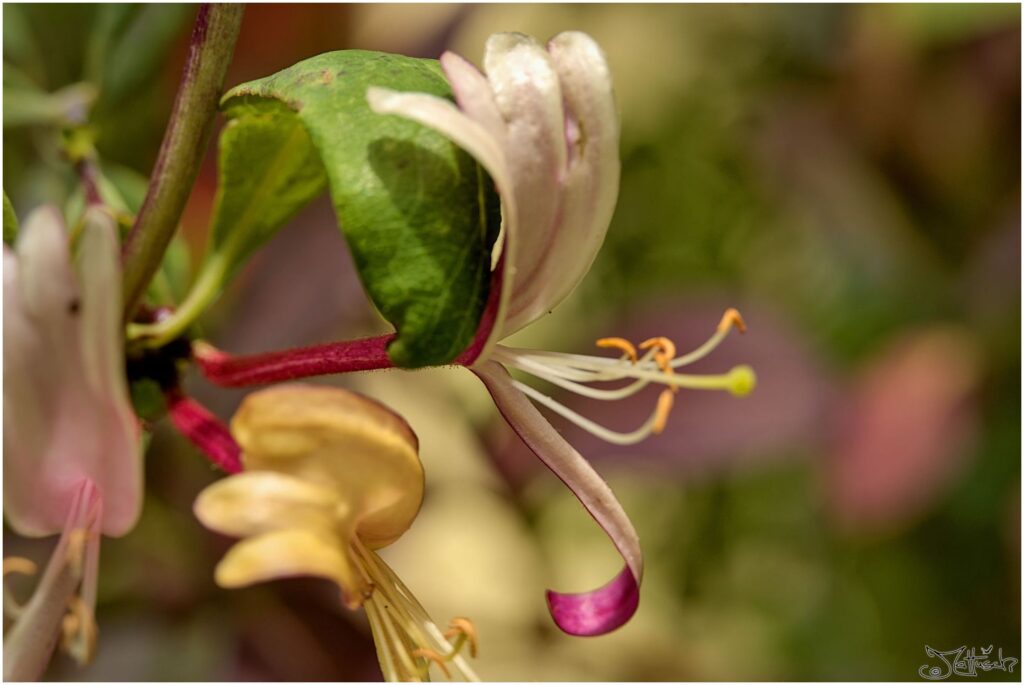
(847, 176)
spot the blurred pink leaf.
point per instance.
(901, 437)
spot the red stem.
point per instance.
(366, 354)
(285, 365)
(205, 431)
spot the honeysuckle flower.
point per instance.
(330, 477)
(72, 458)
(542, 122)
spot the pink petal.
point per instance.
(65, 396)
(599, 611)
(607, 608)
(904, 433)
(527, 92)
(473, 94)
(555, 256)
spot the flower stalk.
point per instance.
(230, 371)
(205, 431)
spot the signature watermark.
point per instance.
(965, 663)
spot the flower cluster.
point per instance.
(542, 122)
(72, 454)
(322, 478)
(330, 477)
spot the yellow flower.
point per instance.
(330, 477)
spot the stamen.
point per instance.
(732, 318)
(586, 424)
(77, 540)
(382, 642)
(664, 351)
(576, 373)
(555, 376)
(729, 320)
(22, 566)
(622, 344)
(403, 624)
(665, 401)
(399, 642)
(464, 630)
(79, 631)
(433, 656)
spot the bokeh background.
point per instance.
(847, 176)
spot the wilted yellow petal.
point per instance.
(256, 502)
(288, 553)
(337, 439)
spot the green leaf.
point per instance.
(20, 45)
(10, 222)
(419, 214)
(269, 170)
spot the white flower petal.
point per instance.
(29, 409)
(473, 94)
(591, 183)
(445, 118)
(116, 466)
(49, 285)
(473, 137)
(529, 96)
(99, 272)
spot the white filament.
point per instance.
(574, 372)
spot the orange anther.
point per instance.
(665, 351)
(463, 626)
(79, 631)
(621, 344)
(732, 318)
(431, 655)
(25, 567)
(76, 548)
(665, 401)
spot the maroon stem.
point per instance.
(205, 431)
(88, 175)
(366, 354)
(285, 365)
